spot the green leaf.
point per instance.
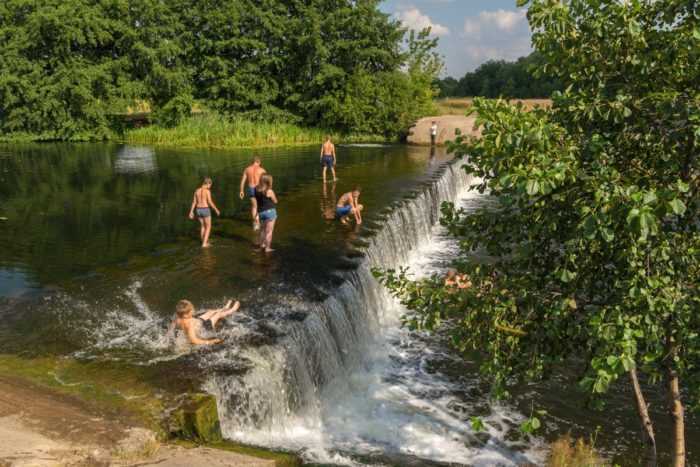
(532, 187)
(677, 206)
(477, 424)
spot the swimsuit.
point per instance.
(266, 207)
(327, 161)
(250, 191)
(203, 212)
(206, 323)
(342, 211)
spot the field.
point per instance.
(460, 106)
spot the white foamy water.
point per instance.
(389, 405)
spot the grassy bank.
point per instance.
(461, 105)
(213, 131)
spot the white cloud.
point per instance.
(503, 21)
(412, 18)
(489, 35)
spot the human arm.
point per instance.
(356, 210)
(211, 203)
(320, 157)
(194, 203)
(333, 152)
(195, 340)
(243, 179)
(271, 194)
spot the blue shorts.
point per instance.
(328, 161)
(268, 215)
(250, 191)
(342, 212)
(203, 212)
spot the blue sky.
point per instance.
(470, 31)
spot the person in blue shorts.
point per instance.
(267, 211)
(202, 204)
(328, 158)
(348, 205)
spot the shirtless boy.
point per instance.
(202, 204)
(252, 175)
(192, 325)
(347, 205)
(328, 157)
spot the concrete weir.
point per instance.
(419, 134)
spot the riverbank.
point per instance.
(56, 411)
(214, 131)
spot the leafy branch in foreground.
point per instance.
(594, 246)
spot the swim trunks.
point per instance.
(327, 161)
(206, 323)
(342, 211)
(203, 212)
(268, 215)
(250, 191)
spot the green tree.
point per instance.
(595, 244)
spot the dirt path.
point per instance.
(447, 124)
(39, 428)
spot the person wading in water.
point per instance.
(328, 158)
(202, 204)
(252, 175)
(347, 205)
(433, 133)
(267, 204)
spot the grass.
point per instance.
(460, 106)
(565, 452)
(210, 130)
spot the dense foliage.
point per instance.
(522, 79)
(67, 65)
(595, 244)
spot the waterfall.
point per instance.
(308, 380)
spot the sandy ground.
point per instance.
(447, 124)
(39, 428)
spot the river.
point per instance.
(97, 249)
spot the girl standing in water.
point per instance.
(267, 212)
(202, 204)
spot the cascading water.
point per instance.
(346, 384)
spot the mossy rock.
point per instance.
(196, 419)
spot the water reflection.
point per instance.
(328, 202)
(135, 160)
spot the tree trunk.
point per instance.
(647, 426)
(676, 407)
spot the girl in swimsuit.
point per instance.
(267, 211)
(192, 325)
(201, 203)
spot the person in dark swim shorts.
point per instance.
(249, 180)
(328, 158)
(185, 320)
(202, 204)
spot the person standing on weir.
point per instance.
(252, 175)
(433, 133)
(328, 158)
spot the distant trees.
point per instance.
(498, 78)
(68, 64)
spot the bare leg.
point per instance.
(269, 228)
(333, 170)
(223, 313)
(324, 173)
(207, 231)
(202, 229)
(254, 213)
(261, 236)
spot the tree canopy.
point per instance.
(522, 79)
(70, 64)
(594, 247)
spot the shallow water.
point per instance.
(97, 249)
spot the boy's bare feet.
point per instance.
(206, 245)
(268, 250)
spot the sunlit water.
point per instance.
(97, 249)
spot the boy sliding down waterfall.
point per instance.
(192, 325)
